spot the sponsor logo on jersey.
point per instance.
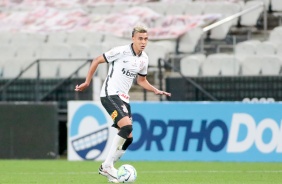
(114, 115)
(112, 55)
(128, 73)
(125, 61)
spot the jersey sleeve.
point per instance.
(112, 54)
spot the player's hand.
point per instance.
(158, 92)
(81, 87)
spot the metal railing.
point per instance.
(232, 17)
(199, 88)
(38, 96)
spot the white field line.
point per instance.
(145, 172)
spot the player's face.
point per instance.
(140, 41)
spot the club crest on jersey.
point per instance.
(114, 115)
(124, 109)
(142, 63)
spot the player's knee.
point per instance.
(125, 131)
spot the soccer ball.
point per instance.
(126, 174)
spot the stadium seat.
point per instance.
(95, 50)
(225, 9)
(169, 44)
(250, 19)
(93, 38)
(30, 73)
(69, 67)
(26, 52)
(57, 37)
(158, 7)
(155, 52)
(272, 65)
(176, 8)
(50, 69)
(2, 62)
(261, 65)
(266, 48)
(246, 48)
(80, 51)
(194, 8)
(5, 37)
(75, 37)
(220, 64)
(276, 5)
(266, 3)
(11, 68)
(279, 50)
(230, 65)
(77, 51)
(276, 35)
(7, 51)
(19, 37)
(114, 41)
(54, 51)
(210, 69)
(31, 38)
(251, 66)
(189, 41)
(191, 64)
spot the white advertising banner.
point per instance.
(89, 131)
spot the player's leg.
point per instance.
(120, 152)
(119, 113)
(119, 141)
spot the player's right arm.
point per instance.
(91, 71)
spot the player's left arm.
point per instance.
(142, 81)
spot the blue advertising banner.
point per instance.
(206, 131)
(181, 131)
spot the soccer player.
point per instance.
(126, 63)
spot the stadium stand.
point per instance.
(62, 30)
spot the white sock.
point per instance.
(118, 155)
(116, 145)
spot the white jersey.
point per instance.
(125, 66)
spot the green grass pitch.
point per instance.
(67, 172)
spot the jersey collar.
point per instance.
(131, 46)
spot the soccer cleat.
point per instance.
(109, 172)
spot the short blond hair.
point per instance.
(139, 29)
